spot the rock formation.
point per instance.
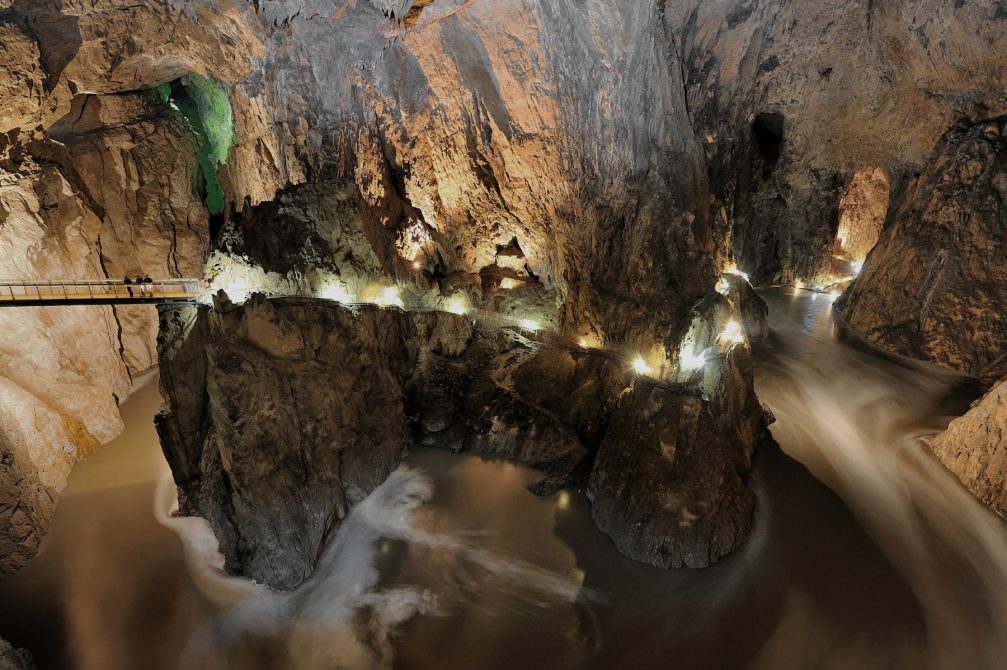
(793, 101)
(974, 447)
(14, 659)
(282, 413)
(591, 166)
(935, 286)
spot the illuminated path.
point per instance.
(97, 292)
(115, 292)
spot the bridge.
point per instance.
(97, 292)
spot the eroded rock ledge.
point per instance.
(281, 414)
(974, 447)
(935, 285)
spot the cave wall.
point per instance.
(628, 151)
(280, 414)
(974, 448)
(857, 85)
(92, 185)
(935, 285)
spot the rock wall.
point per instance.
(974, 447)
(792, 99)
(91, 186)
(14, 659)
(304, 406)
(935, 286)
(591, 164)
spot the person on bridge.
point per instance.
(150, 285)
(129, 285)
(139, 282)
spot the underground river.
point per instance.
(866, 553)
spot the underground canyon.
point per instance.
(503, 334)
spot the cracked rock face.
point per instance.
(792, 100)
(935, 286)
(593, 165)
(14, 659)
(974, 447)
(96, 188)
(304, 406)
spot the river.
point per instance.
(866, 553)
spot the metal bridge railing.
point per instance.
(97, 290)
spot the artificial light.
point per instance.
(690, 360)
(336, 292)
(641, 366)
(733, 270)
(457, 306)
(530, 324)
(732, 333)
(389, 296)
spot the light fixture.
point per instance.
(457, 306)
(337, 292)
(388, 297)
(733, 270)
(641, 366)
(530, 324)
(689, 360)
(798, 284)
(732, 333)
(417, 265)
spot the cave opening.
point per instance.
(203, 103)
(863, 207)
(767, 133)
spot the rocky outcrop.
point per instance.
(974, 447)
(935, 285)
(793, 100)
(304, 406)
(91, 186)
(14, 659)
(300, 409)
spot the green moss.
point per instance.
(164, 92)
(214, 108)
(205, 105)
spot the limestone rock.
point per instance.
(974, 447)
(793, 100)
(14, 659)
(935, 286)
(281, 414)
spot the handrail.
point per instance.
(86, 282)
(97, 291)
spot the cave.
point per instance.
(456, 334)
(767, 133)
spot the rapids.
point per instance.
(866, 553)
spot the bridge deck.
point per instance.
(96, 292)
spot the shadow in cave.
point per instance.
(806, 547)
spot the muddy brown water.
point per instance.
(866, 553)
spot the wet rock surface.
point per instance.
(974, 447)
(14, 659)
(935, 285)
(305, 407)
(592, 165)
(302, 415)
